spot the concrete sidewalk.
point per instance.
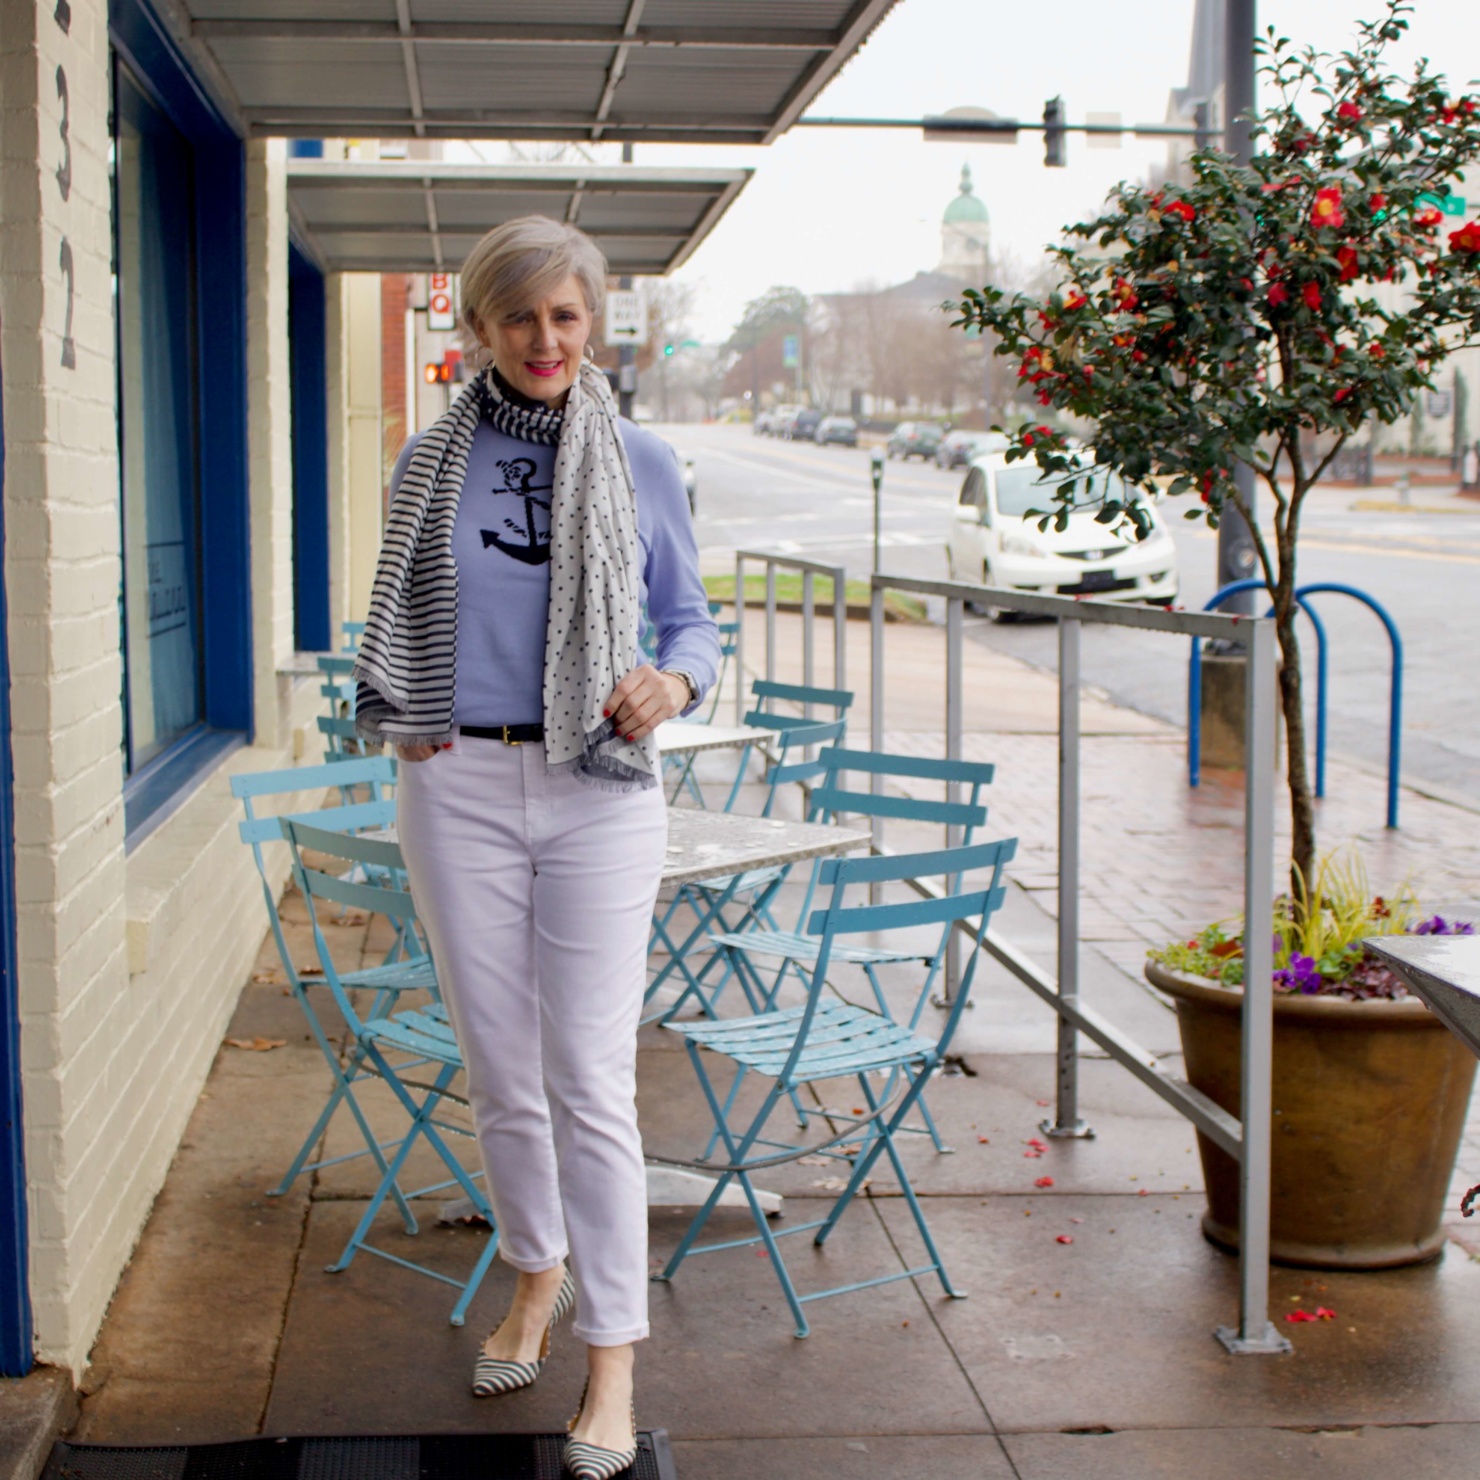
(1088, 1358)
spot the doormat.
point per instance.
(431, 1457)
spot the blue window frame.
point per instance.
(15, 1294)
(306, 329)
(180, 249)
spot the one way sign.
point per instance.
(626, 317)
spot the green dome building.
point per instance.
(965, 234)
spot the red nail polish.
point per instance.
(629, 737)
(606, 714)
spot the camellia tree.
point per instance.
(1260, 314)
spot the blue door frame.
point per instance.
(15, 1291)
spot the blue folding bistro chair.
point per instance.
(423, 1033)
(413, 972)
(749, 892)
(825, 1039)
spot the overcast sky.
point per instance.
(831, 209)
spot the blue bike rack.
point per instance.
(1395, 700)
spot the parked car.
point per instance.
(992, 541)
(842, 430)
(782, 420)
(914, 439)
(761, 423)
(801, 426)
(959, 448)
(690, 478)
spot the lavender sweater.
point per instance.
(501, 543)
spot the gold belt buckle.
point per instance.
(506, 739)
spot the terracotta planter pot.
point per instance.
(1369, 1105)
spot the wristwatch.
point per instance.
(687, 679)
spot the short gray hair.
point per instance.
(518, 263)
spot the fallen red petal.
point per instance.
(1143, 1192)
(1065, 1238)
(1044, 1182)
(1043, 1102)
(1325, 1313)
(984, 1141)
(1295, 1317)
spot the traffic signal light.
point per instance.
(1053, 133)
(667, 350)
(434, 372)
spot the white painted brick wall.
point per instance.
(113, 1057)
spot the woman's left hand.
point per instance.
(643, 700)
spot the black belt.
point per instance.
(509, 734)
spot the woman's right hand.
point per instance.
(415, 752)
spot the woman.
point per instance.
(528, 529)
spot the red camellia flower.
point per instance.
(1327, 208)
(1278, 293)
(1347, 257)
(1377, 202)
(1182, 209)
(1076, 299)
(1349, 111)
(1125, 293)
(1311, 292)
(1342, 394)
(1467, 238)
(1429, 216)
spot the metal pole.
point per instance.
(840, 627)
(876, 702)
(1236, 554)
(955, 706)
(739, 639)
(1255, 1332)
(770, 619)
(1066, 1123)
(626, 353)
(809, 646)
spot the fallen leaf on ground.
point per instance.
(1064, 1238)
(1044, 1182)
(984, 1141)
(813, 1161)
(256, 1045)
(310, 971)
(266, 978)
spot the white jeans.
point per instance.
(537, 892)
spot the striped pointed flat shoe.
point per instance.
(585, 1461)
(493, 1376)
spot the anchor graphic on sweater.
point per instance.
(531, 535)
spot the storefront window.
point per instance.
(158, 421)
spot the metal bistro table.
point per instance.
(678, 737)
(709, 845)
(1443, 970)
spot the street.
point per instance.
(798, 498)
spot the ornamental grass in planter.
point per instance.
(1370, 1090)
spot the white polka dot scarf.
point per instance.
(408, 655)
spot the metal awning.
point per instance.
(676, 71)
(425, 215)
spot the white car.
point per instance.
(991, 542)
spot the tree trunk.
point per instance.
(1302, 804)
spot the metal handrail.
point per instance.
(810, 570)
(1395, 684)
(1248, 1140)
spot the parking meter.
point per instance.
(876, 471)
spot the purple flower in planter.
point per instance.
(1300, 975)
(1438, 925)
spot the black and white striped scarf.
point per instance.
(407, 664)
